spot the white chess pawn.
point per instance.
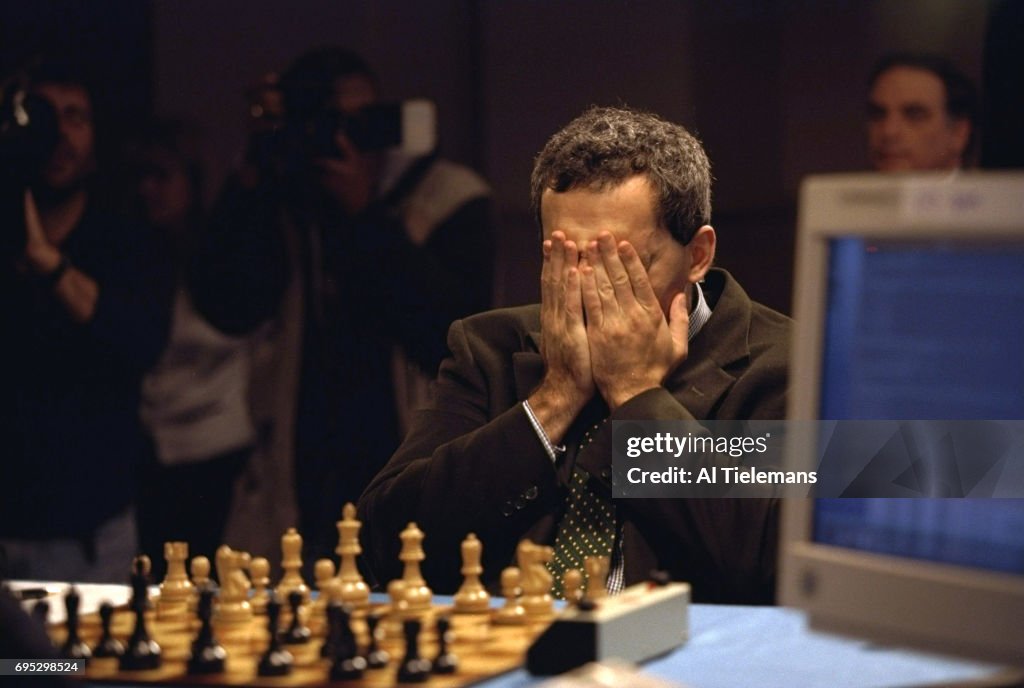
(512, 613)
(200, 577)
(597, 577)
(260, 571)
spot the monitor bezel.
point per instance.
(949, 609)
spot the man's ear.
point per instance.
(702, 252)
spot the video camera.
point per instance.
(29, 134)
(290, 143)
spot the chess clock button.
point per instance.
(531, 493)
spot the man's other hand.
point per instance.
(349, 179)
(41, 256)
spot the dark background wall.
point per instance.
(775, 89)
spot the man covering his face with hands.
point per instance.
(633, 324)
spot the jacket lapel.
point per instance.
(720, 346)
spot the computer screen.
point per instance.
(909, 305)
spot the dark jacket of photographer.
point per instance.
(69, 407)
(391, 278)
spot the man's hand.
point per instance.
(349, 180)
(41, 256)
(568, 383)
(632, 346)
(75, 290)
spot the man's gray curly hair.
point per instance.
(605, 146)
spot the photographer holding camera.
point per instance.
(85, 306)
(363, 247)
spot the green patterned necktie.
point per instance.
(587, 528)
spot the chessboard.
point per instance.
(244, 631)
(483, 650)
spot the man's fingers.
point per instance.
(557, 256)
(603, 286)
(545, 276)
(573, 296)
(639, 281)
(591, 299)
(613, 267)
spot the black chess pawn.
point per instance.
(208, 656)
(413, 669)
(142, 652)
(332, 638)
(108, 646)
(276, 661)
(376, 656)
(446, 661)
(297, 633)
(41, 613)
(348, 664)
(74, 647)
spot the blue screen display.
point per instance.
(931, 330)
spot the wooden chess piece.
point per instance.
(145, 564)
(347, 665)
(323, 572)
(176, 589)
(142, 651)
(330, 593)
(536, 579)
(398, 610)
(41, 613)
(208, 656)
(234, 610)
(414, 668)
(200, 577)
(597, 578)
(108, 645)
(354, 590)
(298, 633)
(472, 597)
(417, 595)
(573, 585)
(74, 647)
(260, 571)
(333, 636)
(291, 564)
(446, 661)
(512, 613)
(376, 656)
(276, 661)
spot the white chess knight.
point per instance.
(536, 579)
(234, 605)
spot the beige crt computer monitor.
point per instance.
(909, 304)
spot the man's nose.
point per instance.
(891, 126)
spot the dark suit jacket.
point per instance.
(473, 463)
